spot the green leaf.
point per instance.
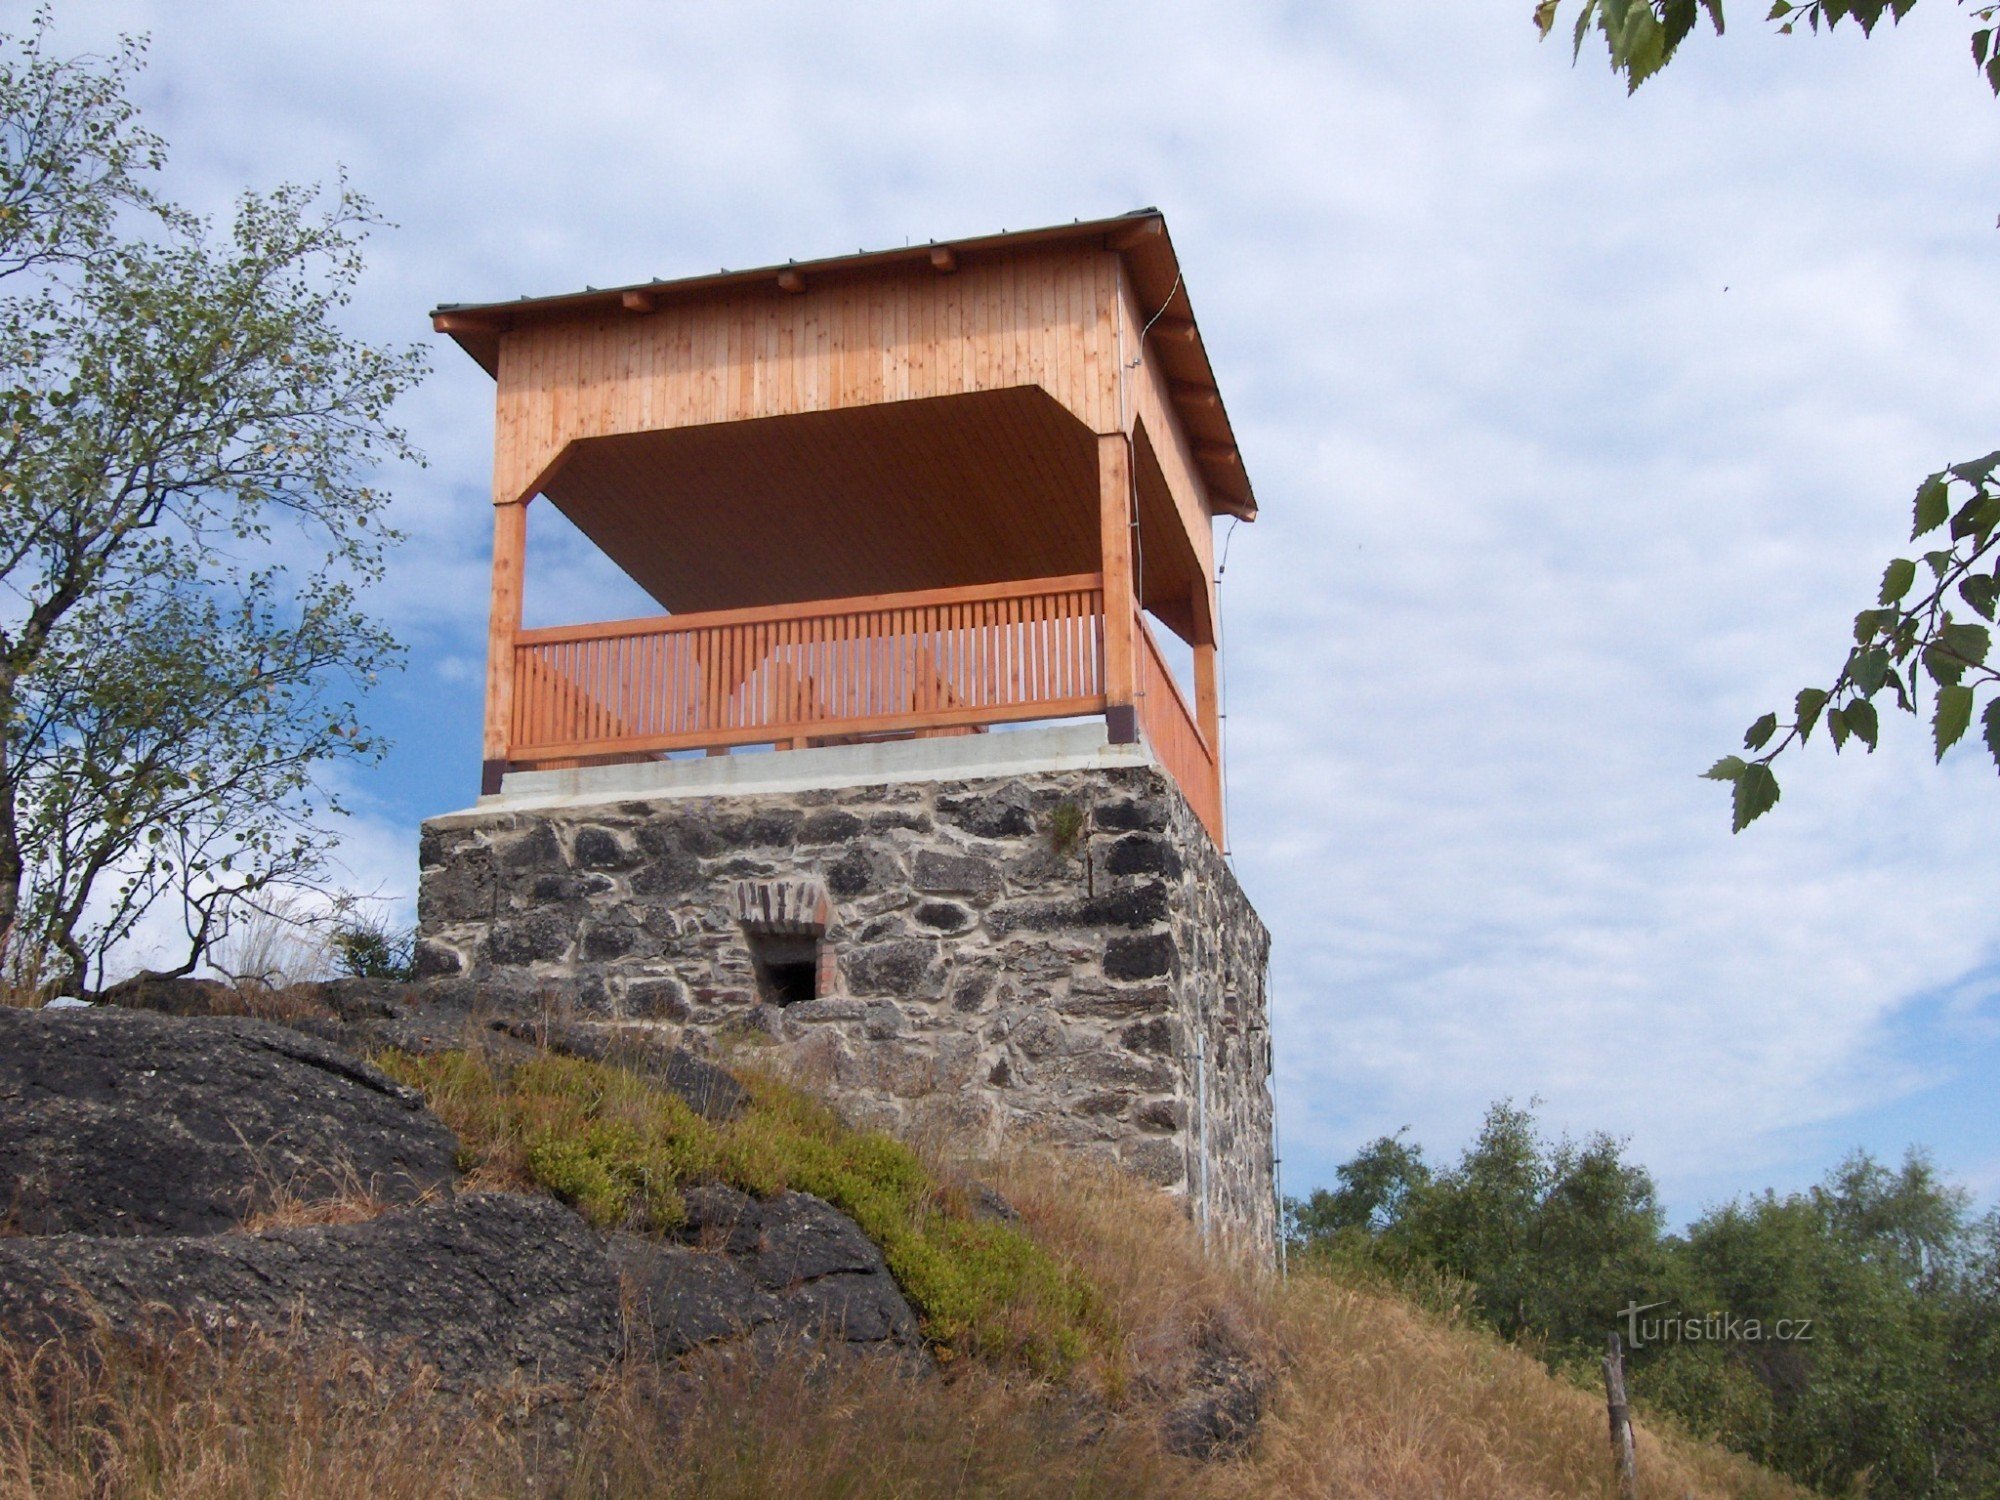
(1869, 670)
(1861, 720)
(1728, 768)
(1896, 580)
(1979, 591)
(1756, 794)
(1954, 715)
(1545, 15)
(1873, 622)
(1807, 710)
(1933, 506)
(1991, 719)
(1759, 734)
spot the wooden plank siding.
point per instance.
(763, 352)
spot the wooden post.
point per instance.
(1114, 528)
(1207, 690)
(1620, 1413)
(510, 555)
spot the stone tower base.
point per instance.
(1057, 952)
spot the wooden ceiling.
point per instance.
(979, 488)
(880, 499)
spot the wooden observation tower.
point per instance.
(917, 493)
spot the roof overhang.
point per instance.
(1139, 237)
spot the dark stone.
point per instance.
(1131, 815)
(174, 997)
(850, 875)
(990, 1204)
(434, 960)
(1217, 1415)
(485, 1288)
(865, 1308)
(896, 817)
(898, 967)
(463, 887)
(528, 938)
(794, 1262)
(606, 940)
(657, 999)
(537, 849)
(830, 825)
(1162, 1114)
(767, 829)
(673, 874)
(954, 874)
(880, 1022)
(1119, 1003)
(1139, 906)
(681, 1298)
(801, 1237)
(114, 1122)
(971, 990)
(1110, 1102)
(1000, 1075)
(1156, 1036)
(943, 916)
(1147, 957)
(684, 833)
(1140, 854)
(600, 848)
(1160, 1160)
(987, 817)
(555, 885)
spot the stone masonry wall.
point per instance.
(1062, 954)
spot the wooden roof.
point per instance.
(1140, 238)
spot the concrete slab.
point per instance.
(1059, 747)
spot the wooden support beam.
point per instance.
(1207, 682)
(1218, 453)
(510, 556)
(1200, 397)
(944, 260)
(1114, 529)
(639, 302)
(1174, 330)
(791, 281)
(454, 323)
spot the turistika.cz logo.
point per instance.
(1707, 1328)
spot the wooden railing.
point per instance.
(793, 675)
(1171, 729)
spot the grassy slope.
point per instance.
(1067, 1334)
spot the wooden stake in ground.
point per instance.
(1621, 1421)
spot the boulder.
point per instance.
(484, 1288)
(120, 1122)
(793, 1264)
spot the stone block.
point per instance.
(942, 873)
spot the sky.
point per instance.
(1580, 425)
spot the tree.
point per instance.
(185, 523)
(1921, 644)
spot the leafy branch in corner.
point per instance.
(1913, 643)
(1642, 35)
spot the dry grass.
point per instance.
(1371, 1394)
(1375, 1398)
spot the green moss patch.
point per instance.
(621, 1151)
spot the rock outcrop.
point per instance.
(487, 1288)
(792, 1265)
(116, 1122)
